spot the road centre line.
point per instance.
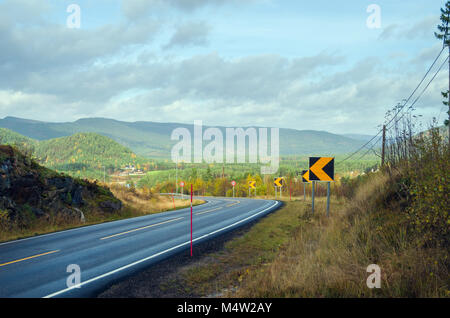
(29, 257)
(233, 204)
(198, 213)
(140, 228)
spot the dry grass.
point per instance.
(328, 257)
(143, 201)
(292, 253)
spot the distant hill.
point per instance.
(83, 151)
(9, 137)
(81, 154)
(358, 136)
(152, 140)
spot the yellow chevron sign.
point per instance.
(305, 176)
(321, 169)
(252, 184)
(278, 182)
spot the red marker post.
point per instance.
(173, 199)
(233, 183)
(191, 216)
(182, 188)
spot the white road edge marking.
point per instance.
(155, 255)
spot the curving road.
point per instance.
(38, 266)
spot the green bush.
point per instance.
(429, 176)
(68, 198)
(4, 220)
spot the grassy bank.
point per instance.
(328, 257)
(292, 253)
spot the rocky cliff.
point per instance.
(29, 191)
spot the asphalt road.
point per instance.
(40, 266)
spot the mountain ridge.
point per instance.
(152, 139)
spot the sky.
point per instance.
(315, 65)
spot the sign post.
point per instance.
(278, 183)
(321, 169)
(192, 192)
(328, 198)
(251, 185)
(312, 196)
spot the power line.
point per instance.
(401, 107)
(417, 87)
(371, 148)
(359, 149)
(415, 101)
(423, 91)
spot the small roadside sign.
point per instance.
(252, 184)
(182, 184)
(305, 176)
(233, 183)
(278, 182)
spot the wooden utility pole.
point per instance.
(383, 146)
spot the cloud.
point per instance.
(118, 71)
(189, 34)
(259, 90)
(36, 52)
(138, 9)
(423, 28)
(389, 32)
(427, 55)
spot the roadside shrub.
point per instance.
(26, 217)
(4, 220)
(68, 198)
(429, 176)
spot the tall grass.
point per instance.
(144, 201)
(328, 257)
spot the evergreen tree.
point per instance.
(443, 35)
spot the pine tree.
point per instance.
(443, 35)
